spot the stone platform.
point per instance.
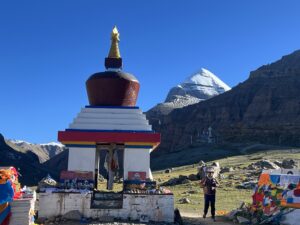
(159, 208)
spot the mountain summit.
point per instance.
(200, 86)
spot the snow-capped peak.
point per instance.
(198, 87)
(202, 85)
(206, 78)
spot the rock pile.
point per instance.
(267, 164)
(246, 215)
(201, 173)
(178, 180)
(264, 164)
(184, 201)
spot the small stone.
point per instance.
(254, 221)
(168, 170)
(193, 177)
(73, 215)
(171, 182)
(182, 177)
(226, 169)
(185, 181)
(231, 215)
(288, 164)
(192, 192)
(41, 220)
(242, 220)
(202, 163)
(231, 176)
(278, 163)
(266, 164)
(184, 201)
(247, 185)
(106, 219)
(144, 218)
(222, 176)
(51, 219)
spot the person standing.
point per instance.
(209, 185)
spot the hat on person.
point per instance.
(210, 170)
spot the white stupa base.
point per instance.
(159, 208)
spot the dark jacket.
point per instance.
(209, 185)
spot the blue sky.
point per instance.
(48, 49)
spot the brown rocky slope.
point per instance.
(27, 161)
(265, 108)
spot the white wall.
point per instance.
(136, 160)
(156, 207)
(81, 159)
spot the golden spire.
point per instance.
(114, 51)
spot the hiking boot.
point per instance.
(204, 216)
(214, 219)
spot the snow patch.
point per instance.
(53, 144)
(19, 142)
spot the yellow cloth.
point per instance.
(3, 206)
(5, 175)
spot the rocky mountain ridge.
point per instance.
(43, 151)
(265, 109)
(287, 66)
(27, 163)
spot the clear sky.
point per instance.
(49, 48)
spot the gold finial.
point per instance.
(114, 51)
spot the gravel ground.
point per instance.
(102, 223)
(188, 219)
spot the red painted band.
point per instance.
(69, 136)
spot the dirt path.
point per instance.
(196, 219)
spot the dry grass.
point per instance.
(228, 198)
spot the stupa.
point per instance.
(110, 136)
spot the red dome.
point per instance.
(112, 88)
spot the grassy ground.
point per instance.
(228, 196)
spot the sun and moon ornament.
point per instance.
(114, 60)
(114, 51)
